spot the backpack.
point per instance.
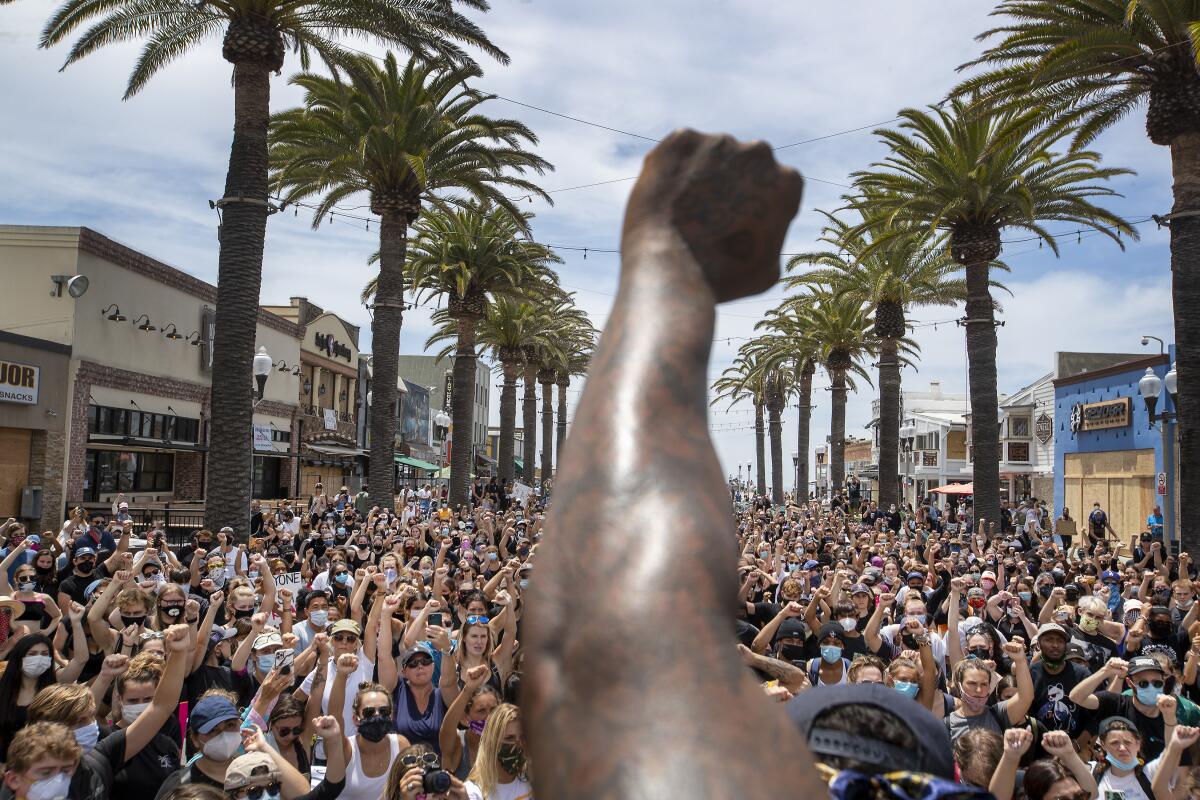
(1139, 772)
(814, 670)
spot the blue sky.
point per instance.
(142, 171)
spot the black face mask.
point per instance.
(127, 620)
(85, 567)
(791, 652)
(1044, 590)
(375, 729)
(171, 611)
(243, 613)
(45, 570)
(1160, 628)
(982, 653)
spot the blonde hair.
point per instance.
(62, 702)
(485, 773)
(134, 596)
(39, 740)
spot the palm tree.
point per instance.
(576, 363)
(840, 327)
(573, 339)
(910, 270)
(1092, 63)
(972, 174)
(398, 135)
(552, 308)
(743, 381)
(255, 36)
(468, 256)
(771, 358)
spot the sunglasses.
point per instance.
(256, 792)
(345, 638)
(383, 712)
(477, 620)
(419, 661)
(296, 731)
(428, 759)
(1147, 684)
(148, 635)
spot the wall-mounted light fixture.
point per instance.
(171, 332)
(143, 323)
(116, 315)
(76, 285)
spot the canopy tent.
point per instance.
(955, 488)
(417, 463)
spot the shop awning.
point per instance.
(520, 464)
(417, 463)
(955, 488)
(482, 459)
(334, 450)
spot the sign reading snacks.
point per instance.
(19, 383)
(1102, 416)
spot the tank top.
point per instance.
(415, 726)
(465, 760)
(358, 785)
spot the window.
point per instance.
(266, 478)
(926, 441)
(1018, 451)
(110, 471)
(1018, 427)
(141, 424)
(280, 436)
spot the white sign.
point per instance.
(19, 383)
(262, 437)
(289, 580)
(330, 419)
(521, 492)
(1162, 483)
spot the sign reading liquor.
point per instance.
(19, 383)
(1103, 415)
(1043, 428)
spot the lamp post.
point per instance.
(1151, 387)
(262, 370)
(444, 421)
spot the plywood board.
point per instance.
(14, 468)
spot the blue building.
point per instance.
(1105, 448)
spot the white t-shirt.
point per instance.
(891, 635)
(1126, 788)
(364, 674)
(519, 789)
(321, 582)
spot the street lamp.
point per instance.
(1151, 388)
(262, 370)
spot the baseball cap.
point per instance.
(931, 755)
(915, 576)
(345, 626)
(1133, 605)
(84, 551)
(860, 588)
(812, 563)
(876, 561)
(91, 588)
(1110, 576)
(988, 574)
(220, 633)
(415, 650)
(1142, 664)
(1075, 651)
(1052, 627)
(831, 630)
(211, 712)
(266, 640)
(1117, 724)
(791, 628)
(251, 767)
(226, 529)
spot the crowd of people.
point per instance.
(349, 651)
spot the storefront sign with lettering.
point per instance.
(1104, 415)
(19, 383)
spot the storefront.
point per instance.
(1106, 451)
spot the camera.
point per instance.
(435, 781)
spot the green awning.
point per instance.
(417, 463)
(520, 464)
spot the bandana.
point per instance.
(850, 785)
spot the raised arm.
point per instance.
(1058, 744)
(1084, 693)
(1019, 705)
(705, 224)
(178, 640)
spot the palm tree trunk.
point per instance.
(239, 280)
(462, 410)
(546, 379)
(385, 336)
(889, 423)
(1185, 294)
(837, 433)
(563, 385)
(529, 423)
(985, 414)
(775, 412)
(508, 420)
(802, 434)
(760, 448)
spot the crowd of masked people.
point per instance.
(343, 651)
(935, 655)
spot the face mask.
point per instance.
(1044, 590)
(217, 576)
(1160, 629)
(790, 652)
(1026, 597)
(445, 531)
(830, 653)
(266, 663)
(86, 736)
(1119, 764)
(512, 758)
(55, 787)
(33, 666)
(905, 688)
(792, 566)
(1089, 624)
(342, 578)
(981, 653)
(975, 704)
(85, 567)
(27, 586)
(131, 711)
(976, 602)
(318, 619)
(252, 574)
(1148, 696)
(243, 613)
(988, 584)
(223, 746)
(523, 583)
(375, 729)
(848, 624)
(172, 611)
(390, 574)
(476, 726)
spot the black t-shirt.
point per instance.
(204, 678)
(183, 775)
(74, 585)
(1120, 705)
(146, 771)
(1176, 645)
(1098, 647)
(1052, 706)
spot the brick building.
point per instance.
(123, 374)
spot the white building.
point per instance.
(1027, 442)
(933, 440)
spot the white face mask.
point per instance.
(223, 746)
(131, 711)
(55, 787)
(848, 624)
(33, 666)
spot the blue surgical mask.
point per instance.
(1026, 597)
(830, 653)
(1147, 697)
(252, 574)
(1119, 764)
(52, 788)
(266, 663)
(342, 577)
(318, 619)
(87, 736)
(905, 688)
(523, 583)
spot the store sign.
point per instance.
(19, 383)
(262, 437)
(1018, 451)
(205, 335)
(331, 346)
(1162, 484)
(929, 458)
(1043, 428)
(1100, 416)
(330, 419)
(448, 392)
